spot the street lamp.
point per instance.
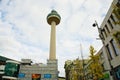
(99, 30)
(96, 24)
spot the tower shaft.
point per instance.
(53, 41)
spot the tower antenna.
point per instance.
(82, 60)
(81, 51)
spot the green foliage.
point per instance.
(74, 69)
(92, 52)
(95, 66)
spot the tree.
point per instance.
(68, 65)
(95, 66)
(73, 69)
(78, 68)
(73, 74)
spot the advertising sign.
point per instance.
(47, 75)
(36, 76)
(21, 75)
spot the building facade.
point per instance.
(103, 58)
(29, 71)
(109, 33)
(111, 39)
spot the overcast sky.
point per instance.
(24, 32)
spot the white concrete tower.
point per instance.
(53, 19)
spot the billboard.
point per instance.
(36, 76)
(47, 75)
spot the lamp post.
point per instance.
(96, 24)
(99, 30)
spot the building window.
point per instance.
(117, 37)
(107, 29)
(105, 32)
(118, 4)
(116, 11)
(115, 49)
(103, 37)
(109, 52)
(112, 18)
(110, 24)
(101, 56)
(103, 66)
(118, 73)
(118, 1)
